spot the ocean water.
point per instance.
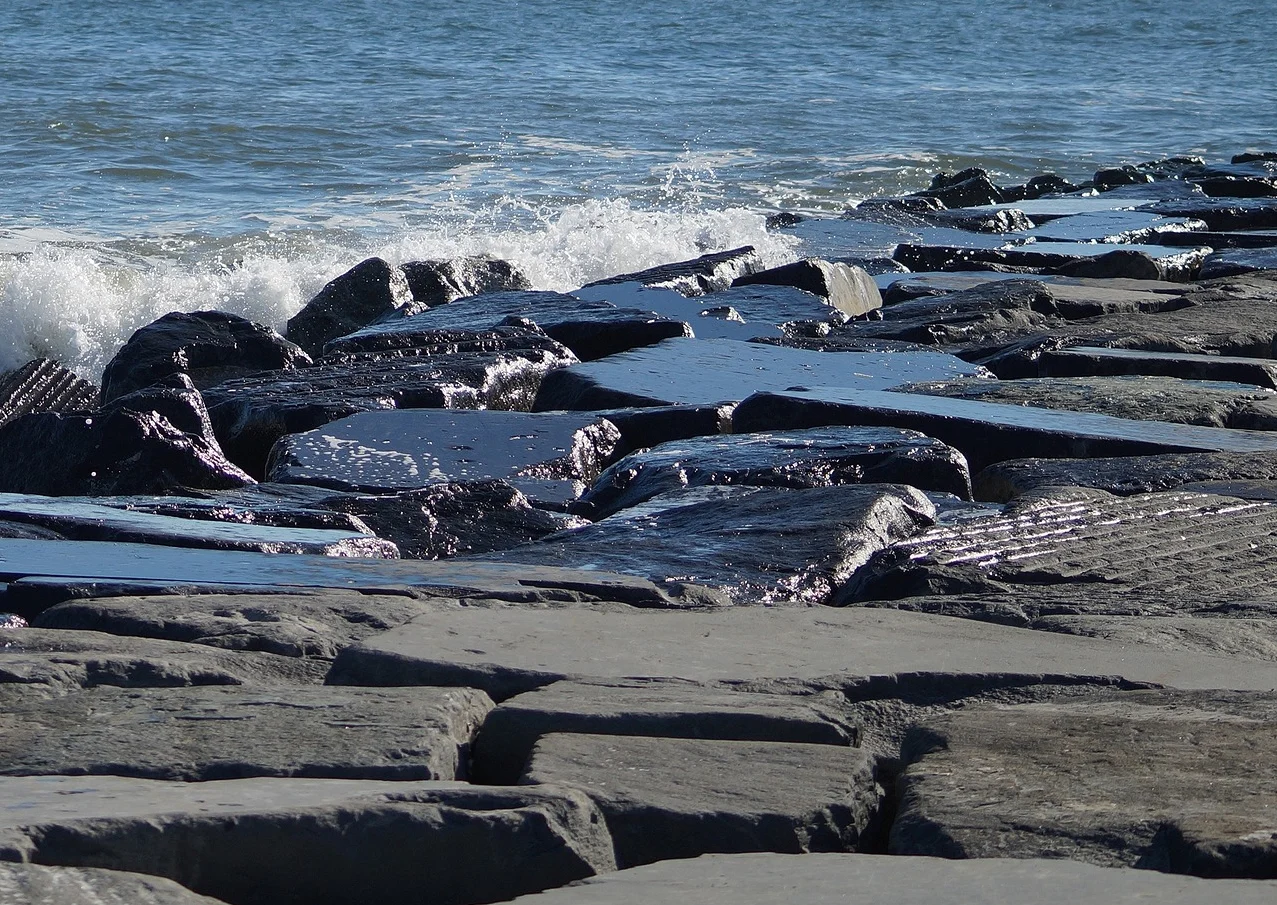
(160, 156)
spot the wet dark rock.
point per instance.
(679, 798)
(33, 884)
(1221, 214)
(710, 372)
(1124, 475)
(251, 414)
(321, 841)
(1238, 261)
(78, 518)
(1250, 239)
(62, 660)
(1172, 781)
(1140, 262)
(207, 346)
(434, 283)
(982, 220)
(591, 329)
(707, 273)
(661, 709)
(42, 385)
(644, 427)
(987, 432)
(1251, 156)
(866, 654)
(842, 341)
(1122, 226)
(548, 456)
(1094, 361)
(203, 734)
(1115, 176)
(453, 519)
(758, 545)
(369, 291)
(813, 458)
(1137, 398)
(784, 220)
(849, 289)
(1171, 542)
(967, 188)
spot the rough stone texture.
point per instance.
(61, 660)
(867, 654)
(591, 329)
(1176, 782)
(250, 414)
(439, 282)
(42, 385)
(1084, 361)
(812, 458)
(404, 450)
(369, 291)
(31, 884)
(326, 842)
(665, 709)
(758, 545)
(678, 798)
(207, 346)
(80, 518)
(1124, 475)
(707, 273)
(713, 371)
(839, 879)
(989, 432)
(849, 289)
(55, 571)
(1169, 543)
(202, 734)
(1138, 398)
(1239, 261)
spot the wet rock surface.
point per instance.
(42, 385)
(369, 291)
(33, 884)
(707, 273)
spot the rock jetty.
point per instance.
(939, 565)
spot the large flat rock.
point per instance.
(989, 432)
(65, 660)
(52, 571)
(1097, 361)
(678, 798)
(759, 545)
(31, 884)
(404, 450)
(322, 841)
(712, 371)
(812, 458)
(666, 709)
(1176, 782)
(199, 734)
(838, 879)
(864, 653)
(1161, 543)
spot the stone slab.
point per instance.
(988, 432)
(1222, 213)
(705, 319)
(64, 660)
(761, 649)
(709, 372)
(1172, 781)
(32, 884)
(665, 709)
(811, 458)
(321, 841)
(1238, 261)
(1089, 361)
(849, 879)
(758, 545)
(1167, 543)
(1127, 227)
(678, 798)
(201, 734)
(407, 450)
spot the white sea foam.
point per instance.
(78, 302)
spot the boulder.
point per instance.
(42, 385)
(369, 291)
(759, 545)
(32, 884)
(967, 188)
(321, 841)
(846, 288)
(1171, 781)
(434, 283)
(707, 273)
(203, 734)
(206, 346)
(663, 709)
(669, 798)
(814, 458)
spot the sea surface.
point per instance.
(159, 155)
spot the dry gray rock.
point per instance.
(678, 798)
(31, 884)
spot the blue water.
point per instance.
(221, 153)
